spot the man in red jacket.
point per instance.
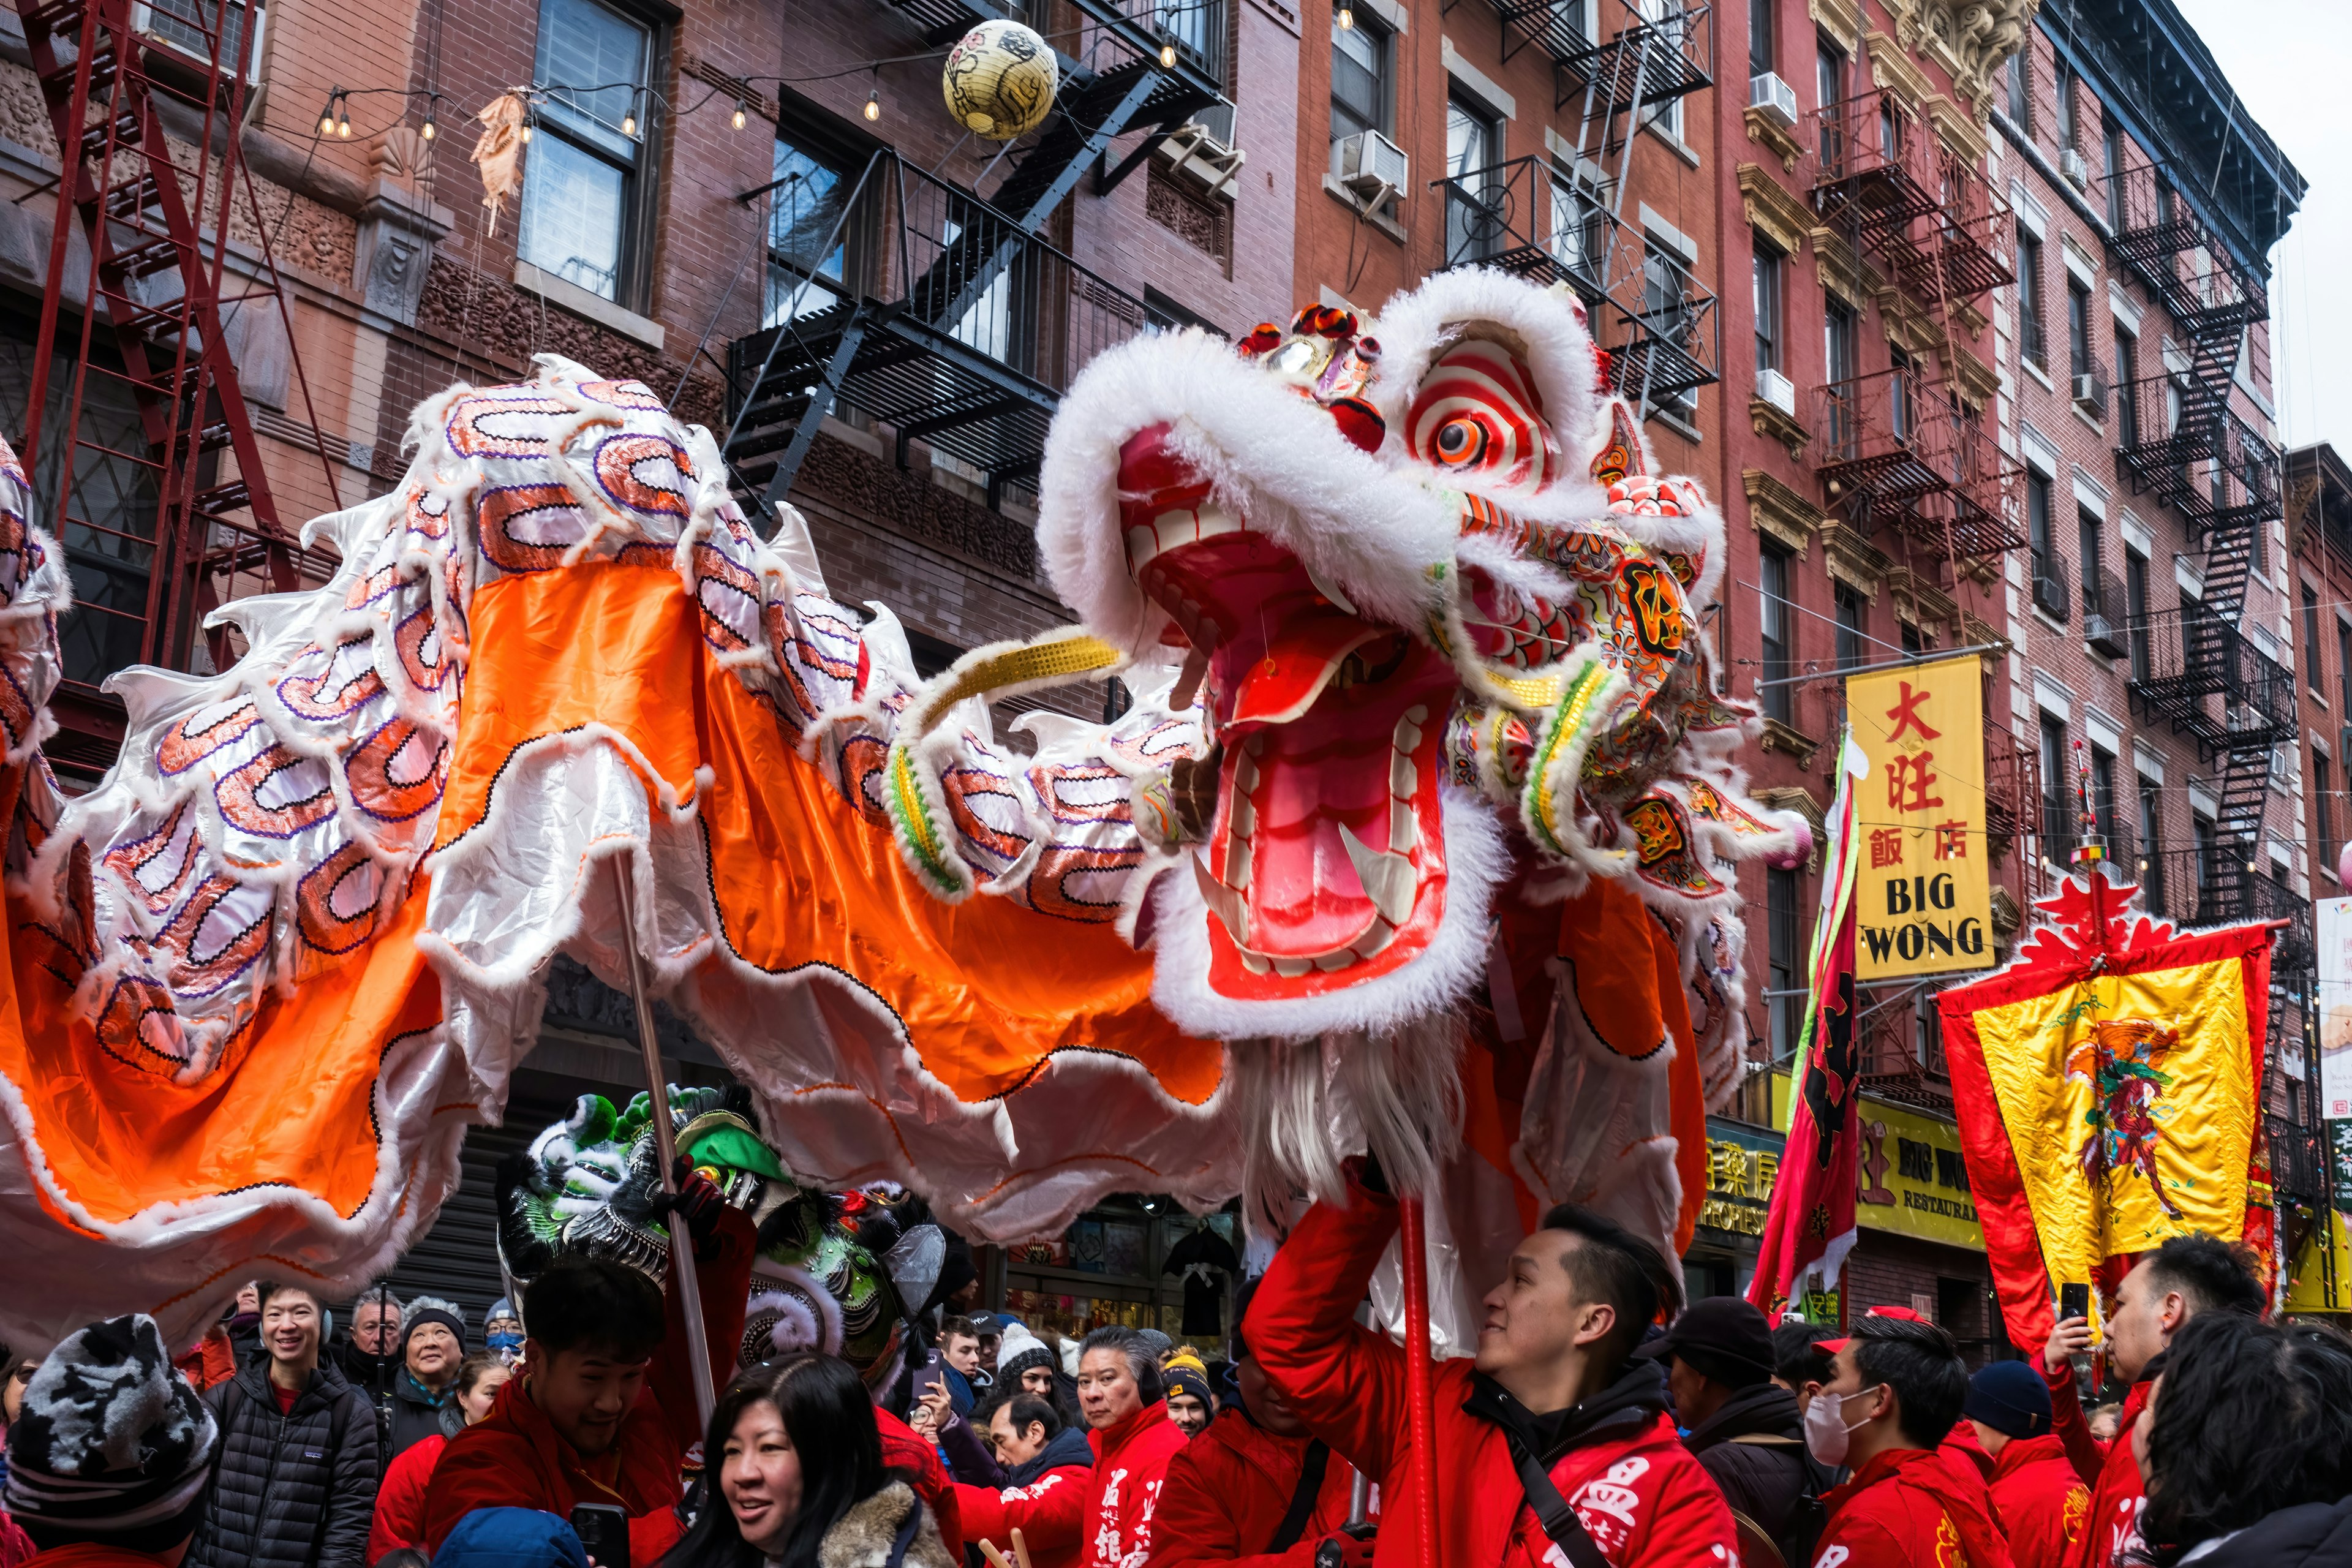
(1126, 1412)
(1554, 1380)
(603, 1409)
(1256, 1489)
(2041, 1501)
(2186, 1276)
(1046, 1467)
(1896, 1385)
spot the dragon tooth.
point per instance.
(1407, 738)
(1416, 714)
(1369, 945)
(1176, 528)
(1292, 968)
(1388, 877)
(1142, 544)
(1237, 863)
(1244, 815)
(1254, 963)
(1223, 902)
(1403, 776)
(1330, 962)
(1404, 827)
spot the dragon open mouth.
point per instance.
(1325, 864)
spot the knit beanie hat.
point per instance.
(2010, 1397)
(113, 1446)
(1018, 1351)
(433, 1309)
(1184, 1372)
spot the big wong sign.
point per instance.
(1923, 899)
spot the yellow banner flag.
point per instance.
(2130, 1101)
(1923, 892)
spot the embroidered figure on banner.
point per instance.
(2122, 1060)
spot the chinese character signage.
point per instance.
(2334, 930)
(1923, 899)
(1911, 1177)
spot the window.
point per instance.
(582, 178)
(1666, 311)
(2151, 843)
(2063, 100)
(2089, 556)
(1914, 640)
(2056, 835)
(1829, 88)
(1771, 267)
(2078, 329)
(1760, 38)
(1580, 225)
(1784, 935)
(2311, 640)
(1163, 314)
(1839, 341)
(1851, 612)
(1776, 628)
(2126, 399)
(1474, 144)
(2103, 793)
(2344, 666)
(2209, 860)
(2049, 582)
(804, 209)
(2135, 611)
(2111, 171)
(1360, 76)
(2033, 344)
(2323, 809)
(2020, 97)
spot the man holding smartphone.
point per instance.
(2186, 1276)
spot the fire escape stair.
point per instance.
(904, 362)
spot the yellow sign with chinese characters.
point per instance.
(1923, 895)
(1910, 1177)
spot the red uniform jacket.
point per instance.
(1907, 1508)
(2042, 1500)
(1123, 1490)
(513, 1459)
(2111, 1527)
(400, 1497)
(2086, 1453)
(1050, 1512)
(86, 1554)
(1230, 1489)
(1642, 1497)
(211, 1361)
(905, 1452)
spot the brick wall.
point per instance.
(1887, 1269)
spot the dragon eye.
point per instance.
(1461, 440)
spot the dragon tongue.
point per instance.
(1297, 662)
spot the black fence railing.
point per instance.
(2210, 681)
(2210, 884)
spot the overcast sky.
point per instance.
(2291, 61)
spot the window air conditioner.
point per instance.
(1776, 389)
(1372, 166)
(2076, 167)
(2091, 393)
(1775, 97)
(2105, 634)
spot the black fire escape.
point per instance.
(2182, 440)
(1563, 223)
(969, 323)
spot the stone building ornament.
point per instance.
(1970, 39)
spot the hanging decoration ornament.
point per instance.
(1000, 81)
(506, 126)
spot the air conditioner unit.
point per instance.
(1777, 390)
(1776, 98)
(2076, 167)
(2105, 634)
(1372, 166)
(2091, 392)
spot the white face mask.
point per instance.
(1826, 1428)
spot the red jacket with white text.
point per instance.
(1228, 1492)
(1123, 1493)
(2042, 1501)
(1907, 1509)
(1645, 1500)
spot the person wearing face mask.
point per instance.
(502, 1330)
(798, 1459)
(1044, 1465)
(1896, 1387)
(2040, 1500)
(400, 1501)
(1256, 1489)
(2188, 1276)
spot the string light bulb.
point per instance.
(1168, 57)
(740, 109)
(1347, 19)
(874, 104)
(327, 115)
(343, 123)
(526, 128)
(629, 117)
(431, 128)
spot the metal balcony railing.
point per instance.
(2050, 595)
(2211, 682)
(1896, 447)
(1877, 169)
(1657, 322)
(966, 331)
(2013, 790)
(2299, 1160)
(2177, 254)
(1617, 54)
(2209, 885)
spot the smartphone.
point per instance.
(604, 1530)
(2073, 1302)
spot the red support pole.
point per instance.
(1420, 1392)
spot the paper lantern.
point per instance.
(1000, 81)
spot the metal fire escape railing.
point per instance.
(155, 533)
(967, 322)
(1562, 221)
(2197, 672)
(1899, 448)
(1657, 323)
(978, 329)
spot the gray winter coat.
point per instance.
(296, 1490)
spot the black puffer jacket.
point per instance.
(415, 1414)
(1754, 1447)
(292, 1490)
(2314, 1535)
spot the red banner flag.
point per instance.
(1809, 1227)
